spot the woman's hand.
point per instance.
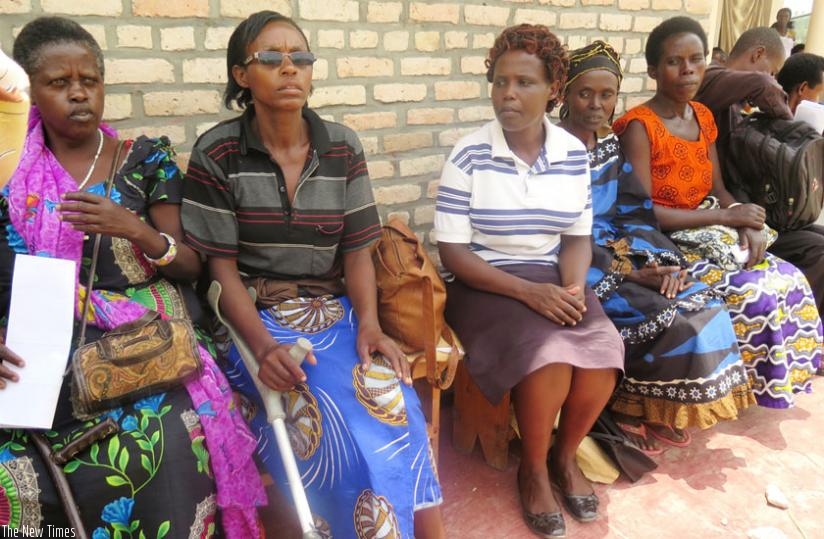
(749, 215)
(95, 214)
(371, 340)
(564, 306)
(756, 241)
(278, 370)
(6, 355)
(667, 280)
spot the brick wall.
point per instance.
(408, 76)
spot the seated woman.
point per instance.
(670, 142)
(190, 437)
(513, 222)
(281, 199)
(677, 334)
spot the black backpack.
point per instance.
(778, 164)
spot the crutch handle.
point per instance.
(300, 349)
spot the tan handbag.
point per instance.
(411, 299)
(133, 360)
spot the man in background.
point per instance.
(748, 78)
(802, 78)
(719, 57)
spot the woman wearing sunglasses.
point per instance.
(280, 200)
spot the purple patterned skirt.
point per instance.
(777, 324)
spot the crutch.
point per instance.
(274, 411)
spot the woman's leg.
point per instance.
(634, 428)
(538, 398)
(589, 392)
(429, 523)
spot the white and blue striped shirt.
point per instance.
(507, 211)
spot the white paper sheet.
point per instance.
(812, 113)
(40, 331)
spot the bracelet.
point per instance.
(168, 256)
(734, 204)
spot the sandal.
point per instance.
(641, 432)
(685, 434)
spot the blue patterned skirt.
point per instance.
(359, 438)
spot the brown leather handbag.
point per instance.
(134, 360)
(412, 298)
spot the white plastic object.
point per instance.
(13, 79)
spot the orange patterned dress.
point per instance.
(773, 311)
(681, 169)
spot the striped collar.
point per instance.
(552, 152)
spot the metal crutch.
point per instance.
(274, 411)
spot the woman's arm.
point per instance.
(636, 146)
(574, 260)
(748, 218)
(735, 214)
(475, 272)
(277, 369)
(359, 275)
(186, 265)
(549, 300)
(94, 214)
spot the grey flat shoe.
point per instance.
(546, 524)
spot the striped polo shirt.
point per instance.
(507, 211)
(235, 202)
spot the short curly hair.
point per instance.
(669, 28)
(538, 40)
(44, 32)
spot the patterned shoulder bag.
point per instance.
(134, 360)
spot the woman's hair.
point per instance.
(538, 40)
(667, 29)
(47, 31)
(801, 67)
(244, 34)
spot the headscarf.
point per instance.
(596, 55)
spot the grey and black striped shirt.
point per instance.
(235, 202)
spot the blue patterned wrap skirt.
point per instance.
(359, 438)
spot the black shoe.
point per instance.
(546, 524)
(582, 508)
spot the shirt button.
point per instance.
(282, 189)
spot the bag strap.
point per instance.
(448, 375)
(96, 251)
(429, 344)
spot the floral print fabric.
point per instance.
(148, 176)
(681, 169)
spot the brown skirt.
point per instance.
(505, 340)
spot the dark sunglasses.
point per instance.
(275, 58)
